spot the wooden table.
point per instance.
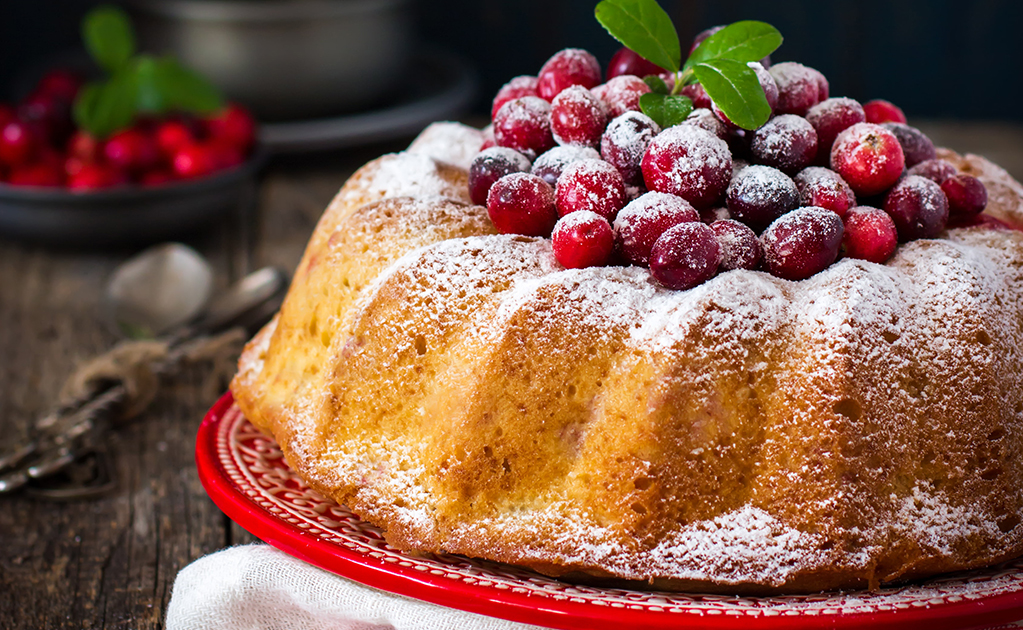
(111, 562)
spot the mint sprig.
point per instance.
(719, 63)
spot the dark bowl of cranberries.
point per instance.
(158, 178)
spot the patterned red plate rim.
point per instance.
(245, 474)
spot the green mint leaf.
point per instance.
(643, 27)
(656, 84)
(184, 89)
(150, 95)
(666, 111)
(108, 37)
(748, 40)
(103, 108)
(734, 87)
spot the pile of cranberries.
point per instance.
(39, 145)
(575, 159)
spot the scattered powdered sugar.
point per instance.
(705, 118)
(552, 163)
(690, 162)
(625, 141)
(406, 174)
(449, 142)
(787, 142)
(799, 87)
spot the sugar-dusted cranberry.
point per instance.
(491, 165)
(172, 136)
(568, 67)
(17, 144)
(582, 239)
(591, 185)
(799, 87)
(233, 125)
(521, 203)
(936, 170)
(767, 84)
(737, 165)
(626, 62)
(870, 234)
(801, 243)
(918, 207)
(697, 94)
(824, 188)
(710, 215)
(868, 157)
(516, 88)
(916, 146)
(524, 124)
(690, 162)
(831, 117)
(740, 247)
(621, 94)
(37, 174)
(194, 160)
(967, 196)
(131, 150)
(94, 176)
(640, 223)
(786, 142)
(685, 256)
(551, 164)
(577, 117)
(881, 111)
(760, 194)
(624, 143)
(702, 117)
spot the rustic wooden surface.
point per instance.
(111, 562)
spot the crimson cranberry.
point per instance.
(868, 157)
(626, 62)
(524, 124)
(172, 136)
(516, 88)
(551, 165)
(224, 155)
(83, 145)
(62, 84)
(740, 247)
(799, 87)
(37, 174)
(577, 117)
(17, 144)
(916, 147)
(824, 188)
(760, 194)
(786, 142)
(870, 234)
(967, 196)
(918, 207)
(621, 94)
(696, 93)
(705, 118)
(639, 224)
(936, 170)
(624, 143)
(491, 165)
(48, 116)
(582, 239)
(233, 125)
(572, 66)
(194, 160)
(156, 178)
(690, 162)
(881, 111)
(685, 255)
(803, 242)
(521, 203)
(831, 117)
(591, 185)
(94, 176)
(131, 151)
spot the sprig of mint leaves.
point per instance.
(136, 83)
(718, 63)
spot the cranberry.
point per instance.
(582, 239)
(516, 88)
(157, 177)
(697, 94)
(916, 147)
(48, 116)
(172, 136)
(194, 160)
(551, 165)
(524, 124)
(868, 157)
(690, 162)
(967, 196)
(624, 143)
(626, 62)
(740, 247)
(702, 117)
(685, 256)
(879, 111)
(132, 151)
(62, 84)
(760, 194)
(803, 242)
(93, 176)
(233, 125)
(799, 87)
(918, 208)
(767, 84)
(870, 234)
(521, 203)
(831, 117)
(17, 144)
(642, 221)
(824, 188)
(577, 117)
(591, 185)
(572, 66)
(37, 174)
(935, 170)
(73, 165)
(491, 165)
(224, 155)
(83, 145)
(786, 142)
(621, 94)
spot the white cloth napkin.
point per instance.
(257, 587)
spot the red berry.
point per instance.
(760, 194)
(94, 176)
(685, 255)
(591, 185)
(831, 117)
(824, 188)
(491, 165)
(172, 136)
(799, 87)
(870, 234)
(868, 157)
(690, 162)
(624, 143)
(156, 178)
(879, 111)
(224, 155)
(194, 160)
(516, 88)
(61, 84)
(967, 196)
(577, 117)
(710, 215)
(233, 125)
(582, 239)
(621, 94)
(767, 84)
(916, 147)
(132, 151)
(786, 142)
(524, 124)
(521, 203)
(84, 146)
(48, 116)
(17, 144)
(639, 224)
(626, 62)
(918, 207)
(935, 170)
(802, 243)
(552, 164)
(697, 94)
(571, 66)
(740, 247)
(705, 118)
(37, 174)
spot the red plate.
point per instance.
(245, 474)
